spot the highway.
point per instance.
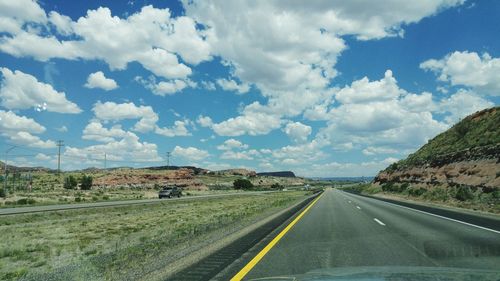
(346, 230)
(61, 207)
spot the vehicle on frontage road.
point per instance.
(169, 192)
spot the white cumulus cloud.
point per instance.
(190, 153)
(468, 69)
(179, 129)
(21, 130)
(98, 80)
(297, 131)
(95, 131)
(111, 111)
(22, 91)
(231, 85)
(232, 144)
(150, 37)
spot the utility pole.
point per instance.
(168, 159)
(59, 144)
(5, 167)
(105, 160)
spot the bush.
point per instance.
(26, 201)
(391, 187)
(242, 184)
(496, 193)
(417, 191)
(464, 193)
(276, 186)
(86, 182)
(404, 186)
(22, 201)
(70, 182)
(3, 193)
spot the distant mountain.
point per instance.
(24, 169)
(284, 174)
(465, 155)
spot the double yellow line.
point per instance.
(244, 271)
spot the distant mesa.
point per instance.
(283, 174)
(195, 170)
(236, 172)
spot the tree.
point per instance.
(86, 182)
(70, 182)
(242, 184)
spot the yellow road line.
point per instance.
(244, 271)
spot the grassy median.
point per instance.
(123, 242)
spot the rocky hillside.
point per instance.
(466, 155)
(126, 177)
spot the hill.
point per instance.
(466, 154)
(25, 169)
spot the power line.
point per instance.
(60, 143)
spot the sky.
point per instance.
(324, 88)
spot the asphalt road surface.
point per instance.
(46, 208)
(346, 230)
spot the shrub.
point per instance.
(496, 193)
(26, 201)
(22, 201)
(391, 187)
(70, 182)
(404, 186)
(276, 186)
(242, 184)
(3, 193)
(438, 193)
(86, 182)
(464, 193)
(417, 191)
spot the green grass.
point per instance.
(118, 241)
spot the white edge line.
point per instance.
(431, 214)
(379, 222)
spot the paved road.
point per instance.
(345, 230)
(35, 209)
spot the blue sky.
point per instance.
(325, 88)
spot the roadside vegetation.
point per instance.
(483, 199)
(48, 188)
(123, 243)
